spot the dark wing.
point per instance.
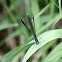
(30, 23)
(34, 24)
(24, 24)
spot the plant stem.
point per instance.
(59, 6)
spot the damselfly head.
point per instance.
(37, 42)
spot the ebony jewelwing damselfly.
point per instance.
(32, 28)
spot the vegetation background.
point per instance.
(14, 36)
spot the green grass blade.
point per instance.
(9, 53)
(16, 3)
(18, 51)
(55, 4)
(16, 58)
(49, 23)
(52, 9)
(56, 56)
(9, 11)
(42, 11)
(47, 46)
(35, 11)
(27, 6)
(5, 26)
(59, 11)
(60, 60)
(53, 53)
(43, 39)
(59, 6)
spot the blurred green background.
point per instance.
(14, 35)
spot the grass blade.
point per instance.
(47, 37)
(5, 26)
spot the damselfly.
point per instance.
(32, 28)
